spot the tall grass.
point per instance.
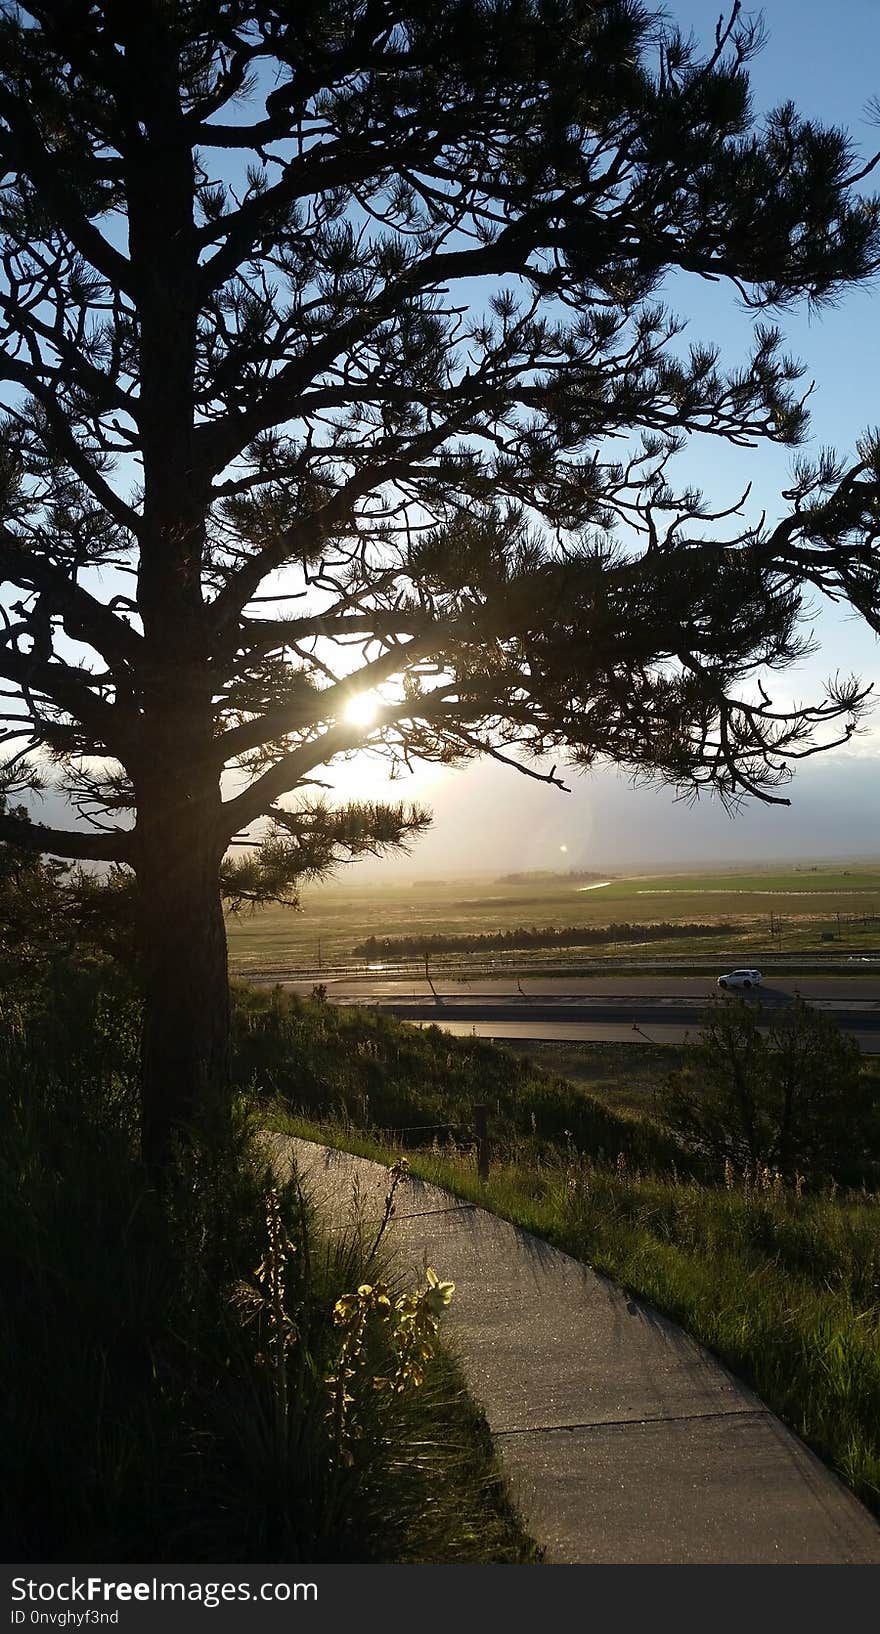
(376, 1073)
(138, 1413)
(785, 1288)
(782, 1285)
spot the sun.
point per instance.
(362, 709)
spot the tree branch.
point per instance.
(284, 776)
(23, 150)
(87, 618)
(325, 704)
(79, 461)
(59, 842)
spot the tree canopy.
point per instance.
(336, 358)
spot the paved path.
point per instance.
(624, 1442)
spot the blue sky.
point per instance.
(826, 58)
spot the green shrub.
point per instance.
(782, 1088)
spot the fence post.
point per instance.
(481, 1125)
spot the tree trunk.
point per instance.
(185, 1045)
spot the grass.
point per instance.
(142, 1413)
(626, 1077)
(784, 1289)
(373, 1072)
(782, 1284)
(806, 900)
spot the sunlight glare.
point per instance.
(362, 709)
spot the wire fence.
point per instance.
(476, 1135)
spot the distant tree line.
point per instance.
(388, 947)
(531, 876)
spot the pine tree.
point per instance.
(335, 360)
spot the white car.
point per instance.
(741, 978)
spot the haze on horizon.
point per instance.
(488, 819)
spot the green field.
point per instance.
(804, 903)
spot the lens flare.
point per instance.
(362, 709)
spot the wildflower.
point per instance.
(412, 1320)
(438, 1294)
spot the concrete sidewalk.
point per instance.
(624, 1442)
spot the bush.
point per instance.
(785, 1090)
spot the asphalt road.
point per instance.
(612, 1007)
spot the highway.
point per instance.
(658, 1008)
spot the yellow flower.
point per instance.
(439, 1294)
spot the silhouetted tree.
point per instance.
(320, 322)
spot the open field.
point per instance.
(627, 1077)
(803, 904)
